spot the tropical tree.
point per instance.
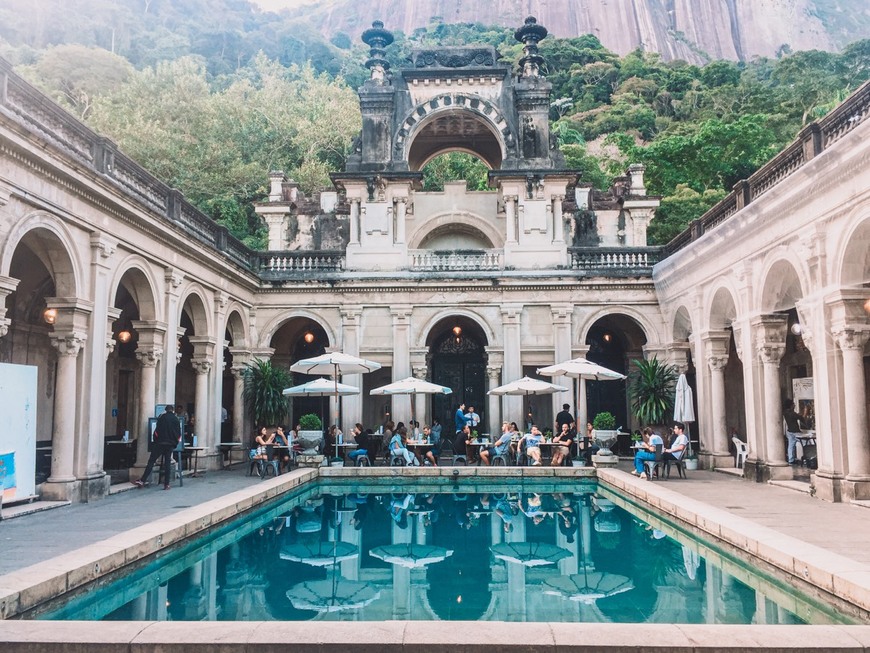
(651, 389)
(264, 384)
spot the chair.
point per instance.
(680, 464)
(501, 460)
(651, 467)
(741, 450)
(363, 460)
(397, 460)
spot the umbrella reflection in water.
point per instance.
(412, 556)
(530, 554)
(332, 594)
(587, 586)
(320, 554)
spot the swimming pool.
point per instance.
(415, 549)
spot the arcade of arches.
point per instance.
(121, 305)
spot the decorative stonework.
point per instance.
(68, 344)
(454, 57)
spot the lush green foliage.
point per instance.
(233, 92)
(604, 421)
(651, 389)
(310, 422)
(264, 384)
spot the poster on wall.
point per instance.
(18, 435)
(805, 406)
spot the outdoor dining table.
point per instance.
(227, 449)
(193, 452)
(343, 448)
(481, 445)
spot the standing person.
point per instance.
(564, 416)
(459, 420)
(166, 436)
(792, 429)
(473, 418)
(647, 451)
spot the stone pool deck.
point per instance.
(790, 525)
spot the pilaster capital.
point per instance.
(561, 313)
(4, 326)
(103, 246)
(771, 353)
(510, 198)
(201, 366)
(401, 315)
(221, 299)
(149, 356)
(716, 345)
(716, 363)
(493, 372)
(420, 372)
(850, 337)
(511, 313)
(350, 315)
(237, 371)
(69, 343)
(173, 279)
(770, 332)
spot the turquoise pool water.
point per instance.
(492, 551)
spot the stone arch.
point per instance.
(141, 285)
(271, 328)
(782, 284)
(195, 299)
(453, 222)
(721, 305)
(644, 324)
(852, 260)
(448, 122)
(50, 240)
(424, 336)
(681, 325)
(235, 324)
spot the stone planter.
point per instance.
(604, 440)
(311, 441)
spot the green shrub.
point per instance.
(310, 422)
(604, 421)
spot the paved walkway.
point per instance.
(840, 528)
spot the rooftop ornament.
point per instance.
(530, 34)
(377, 38)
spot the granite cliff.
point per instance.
(695, 30)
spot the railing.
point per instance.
(615, 261)
(423, 260)
(279, 265)
(812, 141)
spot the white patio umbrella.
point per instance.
(530, 554)
(527, 386)
(580, 368)
(321, 388)
(332, 594)
(412, 386)
(412, 556)
(335, 364)
(684, 406)
(321, 554)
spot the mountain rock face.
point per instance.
(694, 30)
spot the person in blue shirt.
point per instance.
(532, 441)
(499, 448)
(398, 448)
(459, 419)
(646, 453)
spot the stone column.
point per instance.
(561, 315)
(241, 358)
(68, 346)
(716, 353)
(149, 352)
(354, 221)
(350, 327)
(510, 215)
(770, 333)
(421, 403)
(174, 332)
(558, 225)
(513, 368)
(851, 343)
(493, 375)
(202, 368)
(401, 358)
(7, 287)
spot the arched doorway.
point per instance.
(297, 339)
(457, 354)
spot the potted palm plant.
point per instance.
(264, 384)
(651, 389)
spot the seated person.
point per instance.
(647, 451)
(679, 445)
(398, 448)
(462, 443)
(565, 438)
(262, 445)
(436, 433)
(279, 437)
(357, 434)
(499, 448)
(532, 441)
(429, 455)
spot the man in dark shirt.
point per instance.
(792, 429)
(564, 417)
(166, 436)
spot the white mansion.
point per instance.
(124, 296)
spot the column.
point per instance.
(561, 314)
(350, 336)
(851, 343)
(401, 210)
(202, 362)
(716, 345)
(421, 414)
(354, 221)
(770, 343)
(513, 369)
(493, 375)
(510, 215)
(558, 225)
(241, 358)
(401, 358)
(166, 384)
(68, 346)
(149, 352)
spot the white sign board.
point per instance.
(18, 435)
(802, 388)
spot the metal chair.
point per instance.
(651, 467)
(741, 450)
(680, 464)
(501, 460)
